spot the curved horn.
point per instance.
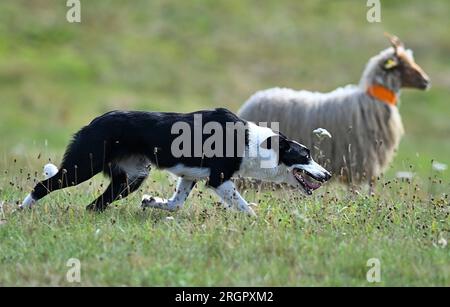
(395, 41)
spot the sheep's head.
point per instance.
(395, 68)
(400, 63)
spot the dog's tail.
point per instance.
(86, 156)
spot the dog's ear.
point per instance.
(273, 141)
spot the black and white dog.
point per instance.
(123, 145)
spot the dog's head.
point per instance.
(296, 164)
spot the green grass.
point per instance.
(185, 55)
(323, 240)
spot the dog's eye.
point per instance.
(307, 154)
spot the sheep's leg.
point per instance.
(372, 182)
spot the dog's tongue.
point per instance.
(312, 185)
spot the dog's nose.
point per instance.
(327, 176)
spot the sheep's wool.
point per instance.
(366, 131)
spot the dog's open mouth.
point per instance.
(308, 182)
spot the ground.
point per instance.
(172, 55)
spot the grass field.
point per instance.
(186, 55)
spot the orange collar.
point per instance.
(383, 94)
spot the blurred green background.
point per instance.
(174, 55)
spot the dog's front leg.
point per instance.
(184, 187)
(231, 197)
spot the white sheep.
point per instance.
(364, 120)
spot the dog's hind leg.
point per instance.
(120, 187)
(231, 197)
(184, 187)
(126, 177)
(73, 171)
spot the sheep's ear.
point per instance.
(395, 42)
(390, 63)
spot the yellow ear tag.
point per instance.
(390, 64)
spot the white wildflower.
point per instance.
(50, 170)
(169, 218)
(2, 212)
(439, 167)
(442, 242)
(321, 133)
(405, 175)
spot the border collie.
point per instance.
(123, 145)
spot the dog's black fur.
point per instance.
(123, 145)
(118, 134)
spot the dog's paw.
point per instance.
(151, 202)
(95, 208)
(251, 212)
(146, 201)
